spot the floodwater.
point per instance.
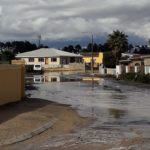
(119, 110)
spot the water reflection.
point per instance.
(117, 113)
(118, 96)
(52, 77)
(104, 99)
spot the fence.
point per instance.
(107, 71)
(11, 83)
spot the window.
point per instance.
(53, 59)
(41, 59)
(72, 59)
(53, 79)
(31, 59)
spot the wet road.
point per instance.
(120, 111)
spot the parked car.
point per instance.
(37, 67)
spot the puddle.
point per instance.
(117, 108)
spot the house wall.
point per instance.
(147, 61)
(111, 71)
(146, 65)
(11, 83)
(98, 59)
(18, 62)
(32, 63)
(54, 63)
(59, 63)
(133, 63)
(43, 63)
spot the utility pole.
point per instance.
(92, 61)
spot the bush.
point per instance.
(144, 78)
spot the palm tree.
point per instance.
(118, 42)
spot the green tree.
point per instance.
(118, 42)
(78, 48)
(7, 55)
(71, 49)
(109, 60)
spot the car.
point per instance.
(37, 67)
(38, 79)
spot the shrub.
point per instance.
(144, 78)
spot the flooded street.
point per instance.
(120, 112)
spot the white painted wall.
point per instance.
(118, 69)
(135, 69)
(147, 69)
(127, 69)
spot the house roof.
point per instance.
(47, 52)
(146, 56)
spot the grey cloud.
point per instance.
(68, 19)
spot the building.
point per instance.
(135, 64)
(51, 58)
(146, 61)
(97, 59)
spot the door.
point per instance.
(46, 61)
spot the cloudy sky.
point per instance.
(73, 19)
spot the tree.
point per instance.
(7, 55)
(89, 47)
(109, 60)
(78, 48)
(118, 42)
(70, 48)
(65, 49)
(95, 48)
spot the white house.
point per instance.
(50, 58)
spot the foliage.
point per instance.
(78, 48)
(17, 46)
(118, 42)
(7, 56)
(109, 60)
(138, 77)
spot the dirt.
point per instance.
(25, 116)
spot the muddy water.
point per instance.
(120, 111)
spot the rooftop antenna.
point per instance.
(39, 40)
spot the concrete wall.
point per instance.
(111, 71)
(11, 83)
(102, 71)
(75, 66)
(18, 62)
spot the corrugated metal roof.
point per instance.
(47, 52)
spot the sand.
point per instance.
(25, 116)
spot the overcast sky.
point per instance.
(69, 19)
